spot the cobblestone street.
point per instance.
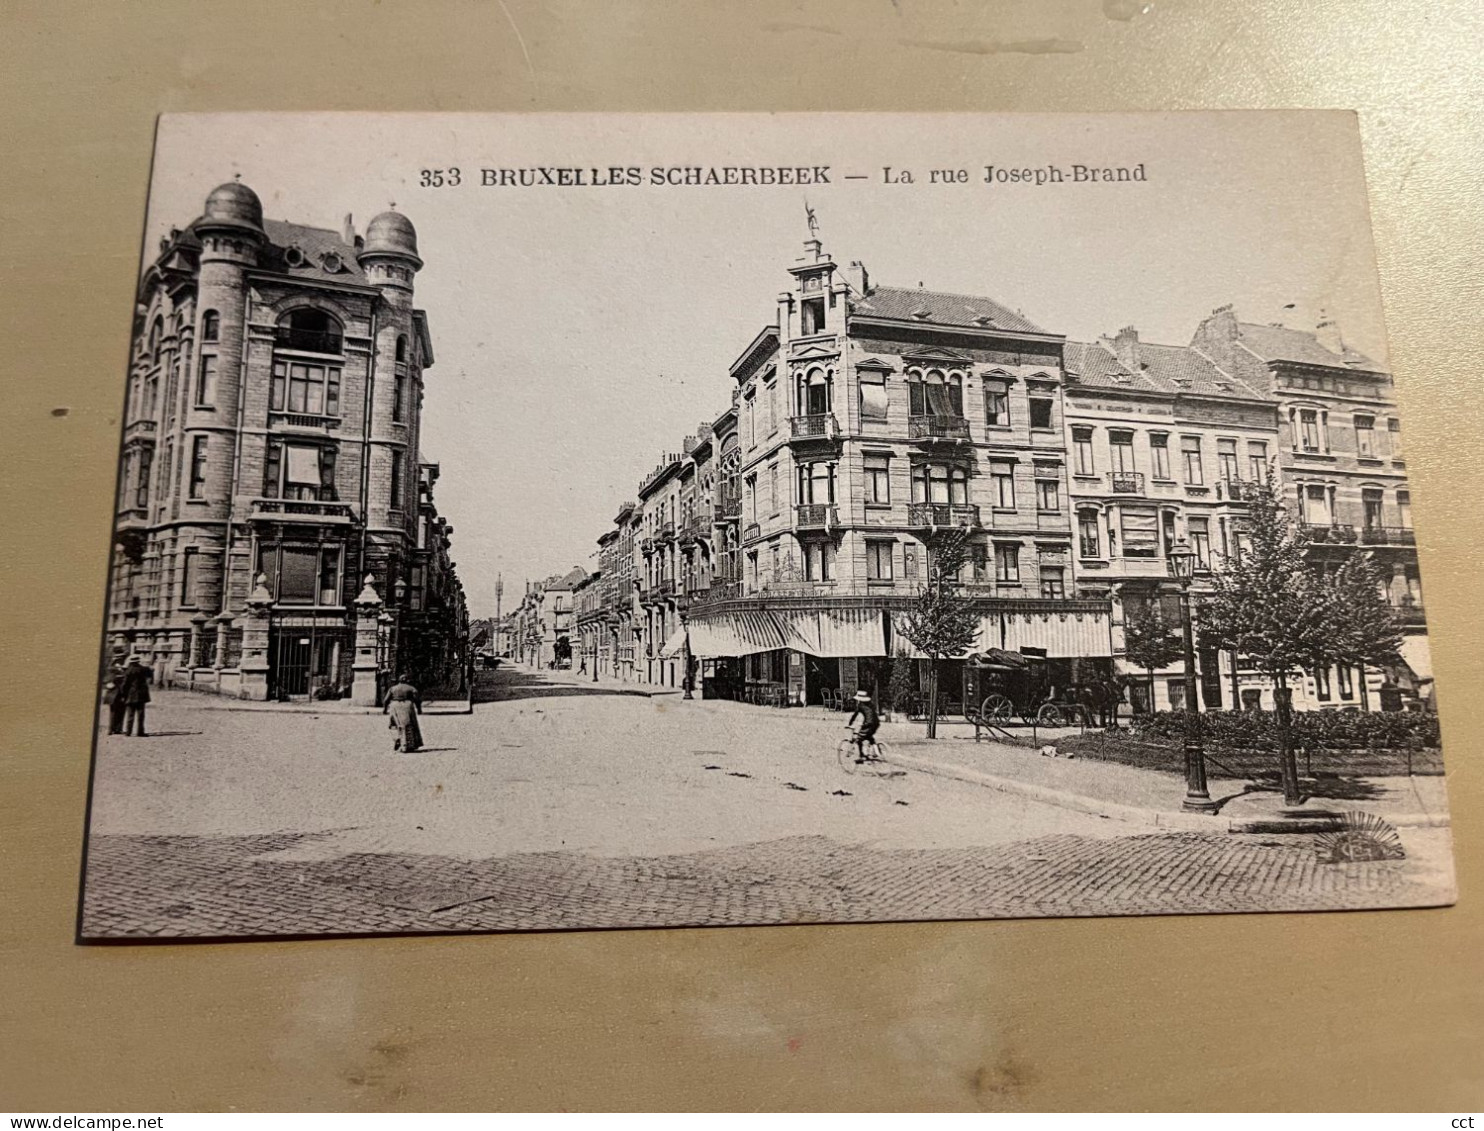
(561, 805)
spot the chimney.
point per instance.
(1216, 337)
(856, 276)
(1327, 333)
(348, 231)
(1126, 348)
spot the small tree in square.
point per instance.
(1273, 605)
(1150, 639)
(943, 623)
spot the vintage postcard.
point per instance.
(572, 521)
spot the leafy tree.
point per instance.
(900, 683)
(1273, 605)
(1367, 630)
(1150, 640)
(943, 622)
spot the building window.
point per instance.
(1002, 480)
(299, 471)
(1365, 436)
(878, 560)
(814, 392)
(1372, 508)
(1175, 689)
(773, 488)
(996, 403)
(198, 467)
(1190, 449)
(819, 561)
(1048, 495)
(394, 493)
(1140, 531)
(211, 326)
(1316, 510)
(1089, 538)
(1346, 681)
(1394, 434)
(1321, 683)
(873, 396)
(940, 483)
(816, 482)
(1257, 461)
(1226, 460)
(301, 575)
(878, 480)
(141, 489)
(1121, 450)
(402, 349)
(979, 561)
(310, 389)
(1041, 412)
(1082, 449)
(1309, 430)
(811, 312)
(1159, 452)
(399, 398)
(1053, 582)
(206, 380)
(190, 564)
(1404, 509)
(1007, 563)
(1200, 541)
(313, 331)
(772, 408)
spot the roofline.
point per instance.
(976, 331)
(304, 281)
(751, 348)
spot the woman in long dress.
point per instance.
(403, 703)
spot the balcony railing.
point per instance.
(819, 426)
(311, 341)
(1126, 482)
(728, 589)
(693, 529)
(1335, 533)
(821, 516)
(942, 514)
(661, 589)
(937, 428)
(316, 421)
(728, 506)
(1389, 535)
(664, 532)
(646, 545)
(139, 430)
(302, 510)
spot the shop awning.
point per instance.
(1418, 656)
(736, 634)
(1063, 635)
(674, 646)
(834, 632)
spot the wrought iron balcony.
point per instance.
(818, 426)
(693, 529)
(1388, 536)
(942, 514)
(302, 510)
(728, 506)
(1336, 533)
(1126, 482)
(646, 545)
(310, 341)
(317, 422)
(816, 516)
(139, 431)
(935, 427)
(661, 589)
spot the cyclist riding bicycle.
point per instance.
(870, 721)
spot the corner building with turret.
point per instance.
(267, 518)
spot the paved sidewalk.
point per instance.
(1152, 797)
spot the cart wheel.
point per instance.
(1050, 715)
(996, 708)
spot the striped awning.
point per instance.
(737, 634)
(1062, 635)
(674, 646)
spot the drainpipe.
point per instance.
(366, 446)
(247, 313)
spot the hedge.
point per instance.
(1312, 730)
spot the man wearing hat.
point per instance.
(870, 721)
(135, 692)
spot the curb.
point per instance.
(1139, 814)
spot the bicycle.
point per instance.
(854, 759)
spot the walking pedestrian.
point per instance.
(135, 691)
(404, 703)
(113, 694)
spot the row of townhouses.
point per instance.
(276, 534)
(780, 546)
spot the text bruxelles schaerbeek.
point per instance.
(683, 175)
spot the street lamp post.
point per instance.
(689, 679)
(1197, 795)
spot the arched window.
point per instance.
(402, 348)
(156, 332)
(311, 330)
(814, 394)
(211, 326)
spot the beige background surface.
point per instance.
(1347, 1010)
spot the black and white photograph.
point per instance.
(561, 521)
